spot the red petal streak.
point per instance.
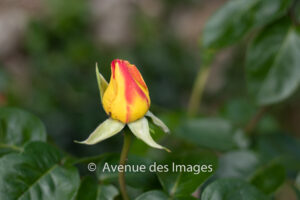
(134, 72)
(131, 75)
(128, 113)
(113, 67)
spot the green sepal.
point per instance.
(158, 122)
(140, 129)
(102, 83)
(105, 130)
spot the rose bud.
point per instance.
(127, 97)
(126, 100)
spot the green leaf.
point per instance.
(191, 170)
(151, 195)
(296, 11)
(211, 133)
(237, 17)
(239, 111)
(107, 192)
(87, 189)
(231, 189)
(102, 83)
(237, 164)
(182, 197)
(283, 146)
(241, 139)
(159, 195)
(274, 75)
(37, 173)
(105, 130)
(297, 181)
(140, 129)
(134, 192)
(269, 177)
(91, 190)
(18, 127)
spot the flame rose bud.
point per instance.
(127, 97)
(126, 100)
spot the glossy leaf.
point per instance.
(87, 189)
(187, 176)
(91, 190)
(159, 195)
(105, 130)
(107, 192)
(18, 127)
(269, 177)
(140, 129)
(237, 17)
(151, 195)
(211, 133)
(183, 197)
(37, 173)
(274, 75)
(241, 139)
(239, 111)
(231, 189)
(283, 146)
(237, 164)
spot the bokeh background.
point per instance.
(48, 51)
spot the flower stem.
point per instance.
(198, 89)
(123, 160)
(255, 120)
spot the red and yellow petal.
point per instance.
(126, 97)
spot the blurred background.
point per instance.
(48, 51)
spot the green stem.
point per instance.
(255, 120)
(10, 146)
(292, 13)
(198, 89)
(123, 160)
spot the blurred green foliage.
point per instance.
(253, 155)
(62, 57)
